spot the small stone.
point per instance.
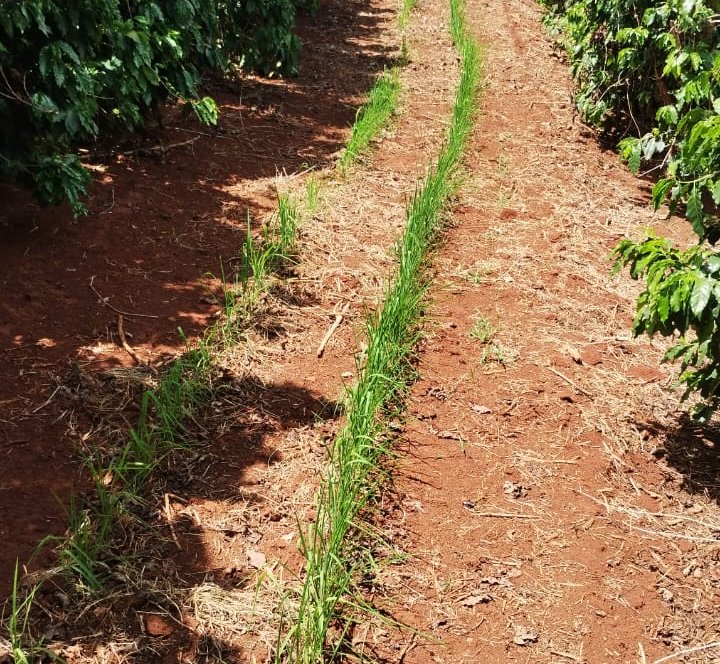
(515, 490)
(524, 636)
(256, 559)
(574, 354)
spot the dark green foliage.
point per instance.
(652, 70)
(72, 69)
(681, 300)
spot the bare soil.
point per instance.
(164, 222)
(552, 502)
(549, 507)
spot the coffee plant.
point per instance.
(72, 69)
(681, 300)
(649, 71)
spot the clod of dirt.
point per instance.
(448, 435)
(495, 581)
(156, 625)
(524, 636)
(591, 357)
(480, 410)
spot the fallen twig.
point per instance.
(680, 653)
(127, 347)
(670, 535)
(336, 323)
(504, 515)
(568, 381)
(147, 150)
(46, 403)
(104, 300)
(566, 655)
(408, 647)
(162, 149)
(170, 520)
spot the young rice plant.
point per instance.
(330, 546)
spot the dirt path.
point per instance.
(207, 582)
(547, 499)
(163, 224)
(554, 504)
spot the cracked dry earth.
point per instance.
(547, 501)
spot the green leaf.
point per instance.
(667, 115)
(695, 212)
(712, 266)
(715, 191)
(634, 158)
(700, 295)
(660, 191)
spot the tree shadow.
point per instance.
(158, 562)
(167, 215)
(693, 450)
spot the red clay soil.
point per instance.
(555, 505)
(167, 211)
(549, 504)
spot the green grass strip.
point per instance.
(165, 415)
(405, 11)
(331, 548)
(166, 410)
(372, 116)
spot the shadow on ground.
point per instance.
(161, 564)
(693, 450)
(166, 214)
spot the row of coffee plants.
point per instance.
(71, 70)
(648, 72)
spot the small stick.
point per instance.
(410, 645)
(569, 382)
(670, 535)
(680, 653)
(641, 651)
(199, 133)
(170, 520)
(566, 655)
(126, 346)
(104, 300)
(162, 149)
(45, 403)
(504, 515)
(561, 461)
(336, 323)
